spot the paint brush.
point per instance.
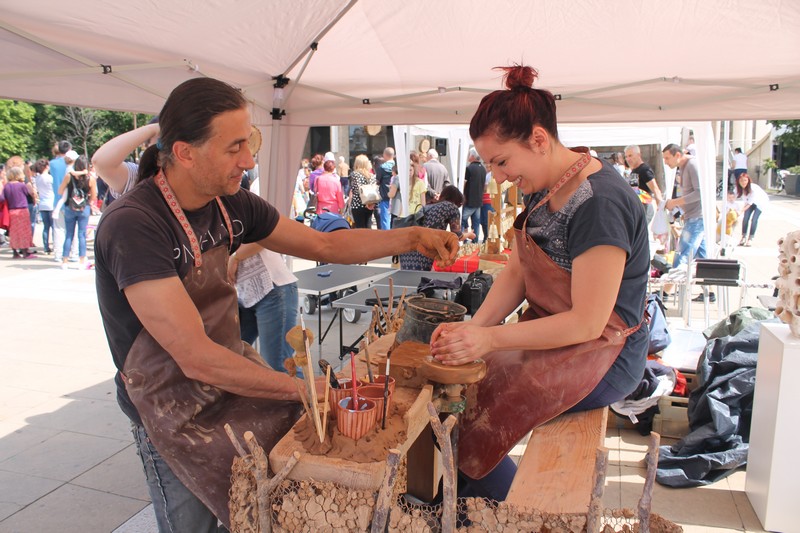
(355, 380)
(386, 389)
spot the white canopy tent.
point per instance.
(414, 62)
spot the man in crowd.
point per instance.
(383, 175)
(645, 178)
(437, 174)
(692, 243)
(170, 314)
(59, 224)
(474, 182)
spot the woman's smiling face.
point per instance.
(513, 161)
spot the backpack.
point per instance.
(655, 312)
(417, 219)
(78, 198)
(474, 291)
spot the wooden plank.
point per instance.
(350, 473)
(556, 473)
(424, 467)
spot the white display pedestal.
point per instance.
(773, 463)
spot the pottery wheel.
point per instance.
(435, 371)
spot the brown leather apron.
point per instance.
(185, 418)
(526, 388)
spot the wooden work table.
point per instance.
(350, 473)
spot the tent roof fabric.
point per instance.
(414, 62)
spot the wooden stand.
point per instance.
(349, 473)
(502, 220)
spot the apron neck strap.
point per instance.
(172, 202)
(573, 170)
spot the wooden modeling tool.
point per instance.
(308, 375)
(365, 349)
(328, 376)
(325, 366)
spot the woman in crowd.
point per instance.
(439, 215)
(417, 184)
(16, 194)
(329, 190)
(300, 195)
(81, 195)
(316, 170)
(580, 260)
(618, 162)
(361, 175)
(44, 184)
(755, 201)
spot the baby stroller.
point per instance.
(327, 222)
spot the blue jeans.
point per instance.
(485, 210)
(33, 210)
(472, 214)
(754, 212)
(176, 508)
(71, 218)
(269, 320)
(47, 222)
(692, 243)
(385, 218)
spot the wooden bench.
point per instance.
(556, 472)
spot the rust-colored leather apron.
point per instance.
(185, 418)
(526, 388)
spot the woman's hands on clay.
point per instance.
(459, 343)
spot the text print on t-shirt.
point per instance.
(208, 240)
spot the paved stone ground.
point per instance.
(67, 459)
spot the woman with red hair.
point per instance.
(580, 260)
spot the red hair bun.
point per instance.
(519, 76)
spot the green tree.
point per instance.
(49, 130)
(52, 123)
(790, 138)
(16, 128)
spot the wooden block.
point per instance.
(556, 473)
(349, 473)
(424, 467)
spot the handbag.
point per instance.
(474, 291)
(440, 288)
(416, 219)
(660, 223)
(369, 193)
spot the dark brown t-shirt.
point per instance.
(139, 239)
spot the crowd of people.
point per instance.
(61, 193)
(369, 194)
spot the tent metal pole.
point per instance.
(323, 32)
(723, 234)
(77, 57)
(99, 69)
